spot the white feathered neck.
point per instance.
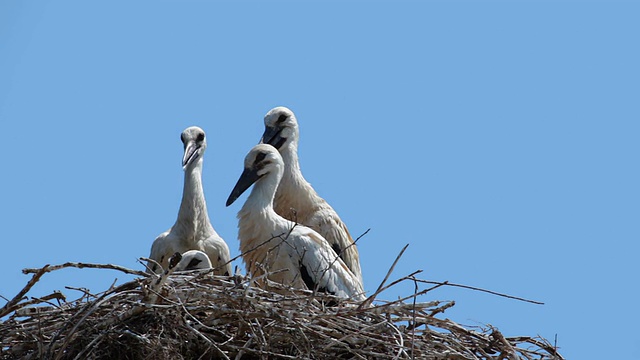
(193, 219)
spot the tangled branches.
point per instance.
(197, 315)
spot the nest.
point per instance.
(196, 315)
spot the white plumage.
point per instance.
(193, 260)
(192, 230)
(296, 199)
(309, 260)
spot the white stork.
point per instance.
(296, 199)
(193, 260)
(192, 230)
(296, 255)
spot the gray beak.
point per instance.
(248, 177)
(272, 137)
(191, 154)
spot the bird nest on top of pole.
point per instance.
(198, 315)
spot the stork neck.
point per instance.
(290, 158)
(193, 216)
(257, 218)
(261, 197)
(299, 190)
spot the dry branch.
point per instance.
(197, 315)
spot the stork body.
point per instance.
(271, 243)
(296, 199)
(193, 229)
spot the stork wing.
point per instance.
(218, 253)
(337, 235)
(161, 250)
(322, 270)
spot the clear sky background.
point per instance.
(498, 139)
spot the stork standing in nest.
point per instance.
(292, 254)
(296, 199)
(192, 230)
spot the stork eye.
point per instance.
(200, 137)
(260, 157)
(182, 137)
(281, 119)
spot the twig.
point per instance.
(370, 299)
(10, 306)
(78, 265)
(446, 283)
(354, 241)
(407, 277)
(361, 236)
(413, 310)
(506, 346)
(85, 291)
(146, 264)
(23, 310)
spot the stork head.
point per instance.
(195, 143)
(262, 160)
(280, 128)
(193, 260)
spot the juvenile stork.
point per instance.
(193, 260)
(294, 254)
(192, 230)
(296, 199)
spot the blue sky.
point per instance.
(498, 139)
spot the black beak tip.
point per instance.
(232, 198)
(247, 179)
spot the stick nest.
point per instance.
(197, 315)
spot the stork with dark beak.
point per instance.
(296, 199)
(289, 253)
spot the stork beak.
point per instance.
(248, 177)
(191, 154)
(272, 137)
